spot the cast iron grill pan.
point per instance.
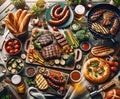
(107, 7)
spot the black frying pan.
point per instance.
(107, 7)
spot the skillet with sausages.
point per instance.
(104, 21)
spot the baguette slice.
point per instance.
(10, 26)
(41, 82)
(17, 16)
(101, 50)
(23, 14)
(24, 24)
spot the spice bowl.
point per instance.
(30, 71)
(85, 46)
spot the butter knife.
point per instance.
(2, 39)
(103, 88)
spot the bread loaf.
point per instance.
(101, 50)
(113, 94)
(23, 14)
(24, 24)
(10, 26)
(11, 17)
(17, 16)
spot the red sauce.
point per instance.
(85, 46)
(75, 75)
(30, 72)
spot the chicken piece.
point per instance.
(107, 16)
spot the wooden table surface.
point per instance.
(3, 12)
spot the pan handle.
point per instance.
(114, 41)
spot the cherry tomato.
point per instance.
(111, 63)
(16, 50)
(36, 30)
(116, 64)
(11, 51)
(95, 70)
(16, 42)
(39, 24)
(101, 66)
(55, 28)
(17, 46)
(10, 43)
(113, 68)
(8, 48)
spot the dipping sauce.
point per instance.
(75, 76)
(85, 46)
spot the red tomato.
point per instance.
(116, 64)
(95, 70)
(113, 68)
(101, 66)
(16, 42)
(111, 63)
(55, 28)
(16, 50)
(8, 48)
(17, 46)
(11, 51)
(39, 24)
(9, 43)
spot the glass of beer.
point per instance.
(19, 83)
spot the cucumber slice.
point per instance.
(62, 62)
(57, 61)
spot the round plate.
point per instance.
(67, 23)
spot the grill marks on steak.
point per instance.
(61, 40)
(45, 39)
(51, 51)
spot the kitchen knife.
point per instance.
(2, 39)
(103, 88)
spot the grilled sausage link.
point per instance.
(97, 14)
(59, 82)
(115, 27)
(52, 84)
(60, 21)
(57, 12)
(62, 14)
(53, 10)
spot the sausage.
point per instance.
(62, 14)
(57, 12)
(53, 10)
(60, 21)
(52, 84)
(97, 14)
(60, 81)
(115, 27)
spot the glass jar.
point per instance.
(19, 83)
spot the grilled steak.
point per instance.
(51, 51)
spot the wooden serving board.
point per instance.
(52, 90)
(77, 56)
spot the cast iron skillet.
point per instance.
(108, 7)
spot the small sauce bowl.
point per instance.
(85, 46)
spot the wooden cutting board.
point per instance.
(77, 57)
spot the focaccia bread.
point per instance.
(96, 70)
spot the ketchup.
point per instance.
(85, 46)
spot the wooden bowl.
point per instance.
(13, 46)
